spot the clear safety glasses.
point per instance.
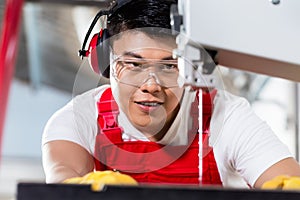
(136, 71)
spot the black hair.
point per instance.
(140, 14)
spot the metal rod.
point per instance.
(33, 46)
(297, 130)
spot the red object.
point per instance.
(150, 162)
(93, 53)
(8, 45)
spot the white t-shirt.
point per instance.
(244, 145)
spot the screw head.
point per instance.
(275, 2)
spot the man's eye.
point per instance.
(170, 66)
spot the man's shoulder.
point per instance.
(86, 99)
(230, 99)
(94, 93)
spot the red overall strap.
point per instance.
(108, 111)
(210, 170)
(149, 161)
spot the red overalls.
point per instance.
(150, 162)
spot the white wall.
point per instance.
(277, 108)
(27, 113)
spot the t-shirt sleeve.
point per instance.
(249, 145)
(75, 122)
(61, 126)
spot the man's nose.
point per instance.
(151, 84)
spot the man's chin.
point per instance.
(150, 129)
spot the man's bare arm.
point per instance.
(288, 166)
(64, 159)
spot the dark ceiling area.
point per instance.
(56, 44)
(99, 3)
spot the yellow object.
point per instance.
(98, 179)
(283, 182)
(275, 183)
(292, 183)
(73, 180)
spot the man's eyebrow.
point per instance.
(131, 54)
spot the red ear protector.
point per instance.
(98, 50)
(99, 53)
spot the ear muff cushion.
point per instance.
(103, 54)
(93, 53)
(99, 53)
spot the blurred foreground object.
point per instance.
(283, 183)
(37, 191)
(98, 179)
(8, 52)
(266, 43)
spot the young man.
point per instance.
(144, 124)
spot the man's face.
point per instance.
(148, 95)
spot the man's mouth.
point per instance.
(149, 104)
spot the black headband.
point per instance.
(115, 5)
